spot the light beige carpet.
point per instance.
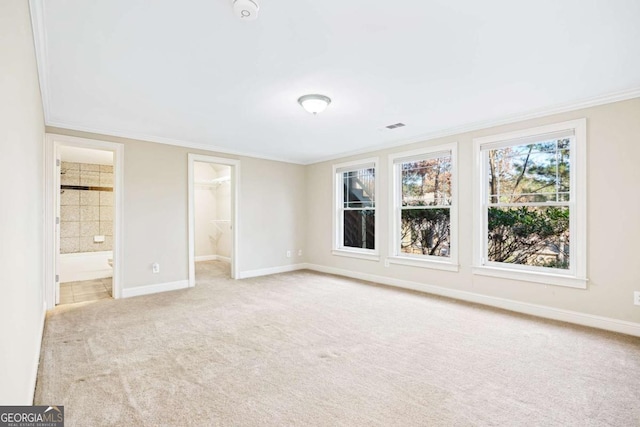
(310, 349)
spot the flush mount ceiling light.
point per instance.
(314, 103)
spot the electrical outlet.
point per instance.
(299, 252)
(155, 267)
(288, 254)
(386, 263)
(636, 297)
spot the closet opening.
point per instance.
(212, 218)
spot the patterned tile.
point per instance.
(70, 177)
(69, 229)
(106, 198)
(89, 213)
(89, 198)
(106, 213)
(90, 178)
(106, 228)
(89, 167)
(69, 198)
(106, 179)
(69, 245)
(69, 213)
(89, 228)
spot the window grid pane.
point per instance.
(537, 172)
(528, 211)
(358, 208)
(426, 182)
(426, 231)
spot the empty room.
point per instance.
(319, 213)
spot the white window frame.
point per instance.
(395, 190)
(338, 226)
(576, 275)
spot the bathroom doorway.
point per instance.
(86, 224)
(83, 220)
(212, 217)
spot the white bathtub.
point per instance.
(85, 266)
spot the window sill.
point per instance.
(532, 276)
(423, 263)
(369, 255)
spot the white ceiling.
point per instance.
(190, 72)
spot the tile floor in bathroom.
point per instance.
(86, 290)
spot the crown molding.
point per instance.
(36, 8)
(166, 141)
(486, 124)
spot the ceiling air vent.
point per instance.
(395, 125)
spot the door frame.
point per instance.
(235, 197)
(53, 142)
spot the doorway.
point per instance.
(213, 208)
(83, 217)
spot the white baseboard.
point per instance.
(212, 258)
(575, 317)
(272, 270)
(36, 361)
(154, 289)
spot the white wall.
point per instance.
(205, 210)
(271, 213)
(223, 212)
(21, 215)
(613, 133)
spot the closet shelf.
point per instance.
(217, 223)
(213, 182)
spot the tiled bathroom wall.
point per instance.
(85, 214)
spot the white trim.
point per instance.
(36, 356)
(154, 288)
(368, 255)
(395, 197)
(584, 319)
(235, 205)
(531, 276)
(169, 141)
(337, 248)
(424, 263)
(486, 124)
(576, 276)
(52, 143)
(213, 258)
(272, 270)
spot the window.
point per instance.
(355, 221)
(424, 217)
(532, 204)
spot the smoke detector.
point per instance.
(246, 10)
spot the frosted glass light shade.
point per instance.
(314, 103)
